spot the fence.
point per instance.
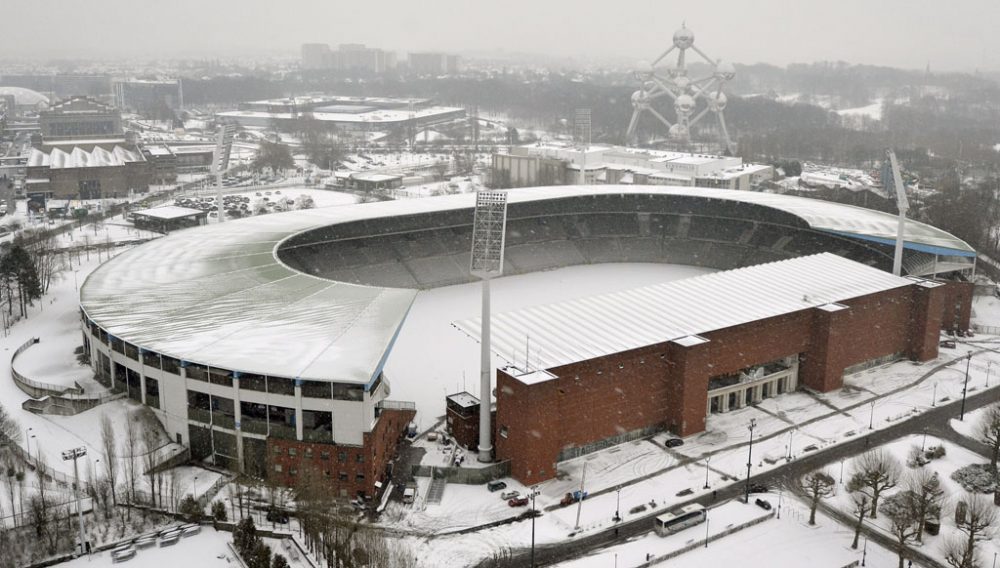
(988, 329)
(63, 480)
(55, 399)
(36, 389)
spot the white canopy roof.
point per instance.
(587, 328)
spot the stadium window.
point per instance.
(309, 453)
(360, 458)
(359, 477)
(292, 451)
(277, 467)
(316, 389)
(277, 450)
(342, 476)
(324, 455)
(279, 385)
(342, 457)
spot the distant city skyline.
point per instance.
(897, 33)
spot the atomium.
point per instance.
(688, 94)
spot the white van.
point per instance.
(409, 494)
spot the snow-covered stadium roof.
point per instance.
(80, 158)
(588, 328)
(219, 295)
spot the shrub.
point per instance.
(219, 511)
(190, 508)
(976, 478)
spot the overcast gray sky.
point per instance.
(950, 35)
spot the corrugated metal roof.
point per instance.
(587, 328)
(80, 158)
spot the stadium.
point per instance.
(262, 343)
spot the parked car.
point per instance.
(759, 488)
(519, 502)
(507, 495)
(495, 486)
(277, 516)
(122, 554)
(409, 494)
(673, 442)
(573, 497)
(949, 343)
(763, 504)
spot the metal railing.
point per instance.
(396, 405)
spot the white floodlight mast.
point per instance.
(220, 162)
(488, 230)
(903, 205)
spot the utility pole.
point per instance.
(73, 455)
(534, 513)
(751, 426)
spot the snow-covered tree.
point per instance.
(877, 471)
(817, 485)
(903, 522)
(989, 432)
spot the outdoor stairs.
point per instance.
(436, 491)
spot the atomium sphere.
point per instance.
(640, 100)
(726, 70)
(684, 104)
(679, 132)
(717, 101)
(683, 38)
(682, 82)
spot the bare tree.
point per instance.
(131, 454)
(150, 444)
(925, 493)
(817, 485)
(903, 523)
(877, 471)
(978, 524)
(110, 447)
(989, 432)
(860, 502)
(10, 430)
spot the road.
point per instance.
(934, 420)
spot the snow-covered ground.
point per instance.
(785, 542)
(986, 310)
(873, 110)
(206, 549)
(192, 480)
(955, 458)
(970, 426)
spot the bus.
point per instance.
(679, 520)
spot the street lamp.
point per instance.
(965, 388)
(864, 552)
(751, 426)
(989, 365)
(707, 459)
(934, 395)
(791, 434)
(841, 471)
(534, 513)
(27, 441)
(73, 455)
(871, 418)
(618, 505)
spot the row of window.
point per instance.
(342, 476)
(224, 377)
(323, 455)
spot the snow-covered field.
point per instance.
(986, 310)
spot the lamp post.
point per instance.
(707, 459)
(534, 513)
(934, 395)
(923, 442)
(193, 488)
(618, 505)
(965, 387)
(841, 471)
(864, 552)
(791, 434)
(989, 365)
(73, 455)
(27, 441)
(751, 426)
(871, 418)
(75, 286)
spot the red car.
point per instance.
(519, 502)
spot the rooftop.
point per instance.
(80, 158)
(588, 328)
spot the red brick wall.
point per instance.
(369, 460)
(465, 429)
(667, 384)
(956, 308)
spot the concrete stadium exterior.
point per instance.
(260, 343)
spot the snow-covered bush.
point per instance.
(976, 478)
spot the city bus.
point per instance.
(679, 520)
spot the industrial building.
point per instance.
(559, 164)
(80, 118)
(429, 63)
(345, 114)
(91, 172)
(150, 98)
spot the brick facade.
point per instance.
(666, 385)
(957, 305)
(350, 471)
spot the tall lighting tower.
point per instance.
(487, 263)
(902, 205)
(220, 162)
